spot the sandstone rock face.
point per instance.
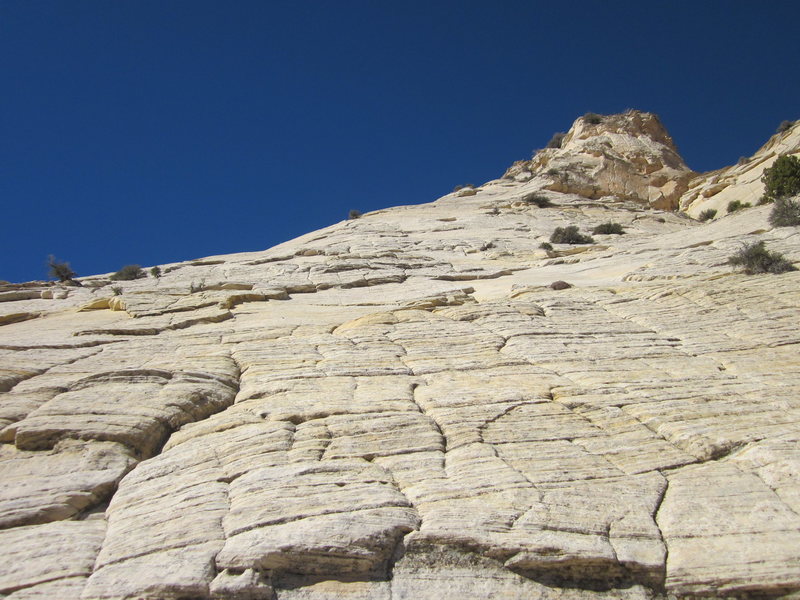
(629, 156)
(742, 181)
(401, 406)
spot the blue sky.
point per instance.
(155, 131)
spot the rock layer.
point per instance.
(401, 406)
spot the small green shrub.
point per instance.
(785, 212)
(735, 205)
(569, 235)
(593, 118)
(155, 272)
(755, 258)
(782, 178)
(784, 126)
(117, 290)
(537, 199)
(707, 214)
(552, 171)
(557, 140)
(560, 285)
(128, 273)
(609, 229)
(354, 214)
(546, 246)
(60, 270)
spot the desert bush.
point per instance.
(116, 290)
(537, 199)
(609, 228)
(353, 214)
(155, 272)
(128, 273)
(755, 258)
(569, 235)
(60, 270)
(735, 205)
(782, 178)
(557, 140)
(560, 285)
(707, 214)
(784, 126)
(785, 212)
(593, 118)
(546, 246)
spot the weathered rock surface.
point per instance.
(741, 181)
(401, 406)
(630, 156)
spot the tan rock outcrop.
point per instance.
(630, 156)
(742, 182)
(401, 406)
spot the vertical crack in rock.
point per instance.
(164, 527)
(173, 550)
(414, 387)
(659, 503)
(102, 464)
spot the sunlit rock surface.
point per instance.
(400, 406)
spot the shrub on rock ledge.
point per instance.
(609, 229)
(537, 199)
(735, 205)
(128, 273)
(785, 213)
(593, 118)
(557, 140)
(755, 258)
(570, 235)
(60, 270)
(707, 214)
(782, 179)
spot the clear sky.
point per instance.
(152, 131)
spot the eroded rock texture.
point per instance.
(400, 406)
